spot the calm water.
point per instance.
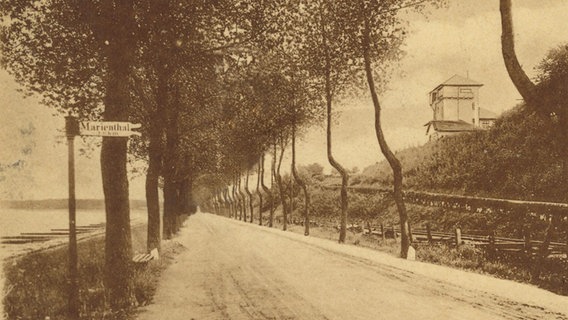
(16, 221)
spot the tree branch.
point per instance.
(524, 85)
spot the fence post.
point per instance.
(527, 244)
(566, 247)
(383, 231)
(393, 232)
(492, 242)
(458, 237)
(429, 232)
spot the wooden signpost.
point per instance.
(74, 128)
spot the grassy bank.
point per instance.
(36, 284)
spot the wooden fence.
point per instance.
(549, 211)
(470, 203)
(456, 238)
(552, 212)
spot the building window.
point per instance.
(485, 123)
(466, 93)
(433, 97)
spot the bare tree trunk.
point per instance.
(191, 204)
(281, 188)
(155, 148)
(186, 204)
(216, 202)
(180, 207)
(386, 151)
(264, 187)
(524, 85)
(250, 197)
(227, 202)
(330, 158)
(272, 200)
(235, 200)
(152, 198)
(183, 207)
(243, 201)
(170, 204)
(170, 170)
(302, 184)
(118, 241)
(260, 172)
(239, 211)
(291, 196)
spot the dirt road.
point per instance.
(233, 270)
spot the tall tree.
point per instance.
(117, 31)
(373, 34)
(366, 45)
(93, 42)
(330, 65)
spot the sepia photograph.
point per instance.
(283, 159)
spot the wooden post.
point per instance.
(72, 130)
(383, 231)
(429, 232)
(458, 237)
(566, 247)
(527, 244)
(291, 195)
(393, 232)
(492, 242)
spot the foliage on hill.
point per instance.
(518, 158)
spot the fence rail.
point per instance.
(469, 203)
(524, 246)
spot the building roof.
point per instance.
(487, 114)
(449, 126)
(458, 81)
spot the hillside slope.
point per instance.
(520, 158)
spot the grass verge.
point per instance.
(36, 284)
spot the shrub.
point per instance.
(324, 203)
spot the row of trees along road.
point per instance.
(216, 85)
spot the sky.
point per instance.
(462, 38)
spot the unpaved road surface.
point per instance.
(234, 270)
